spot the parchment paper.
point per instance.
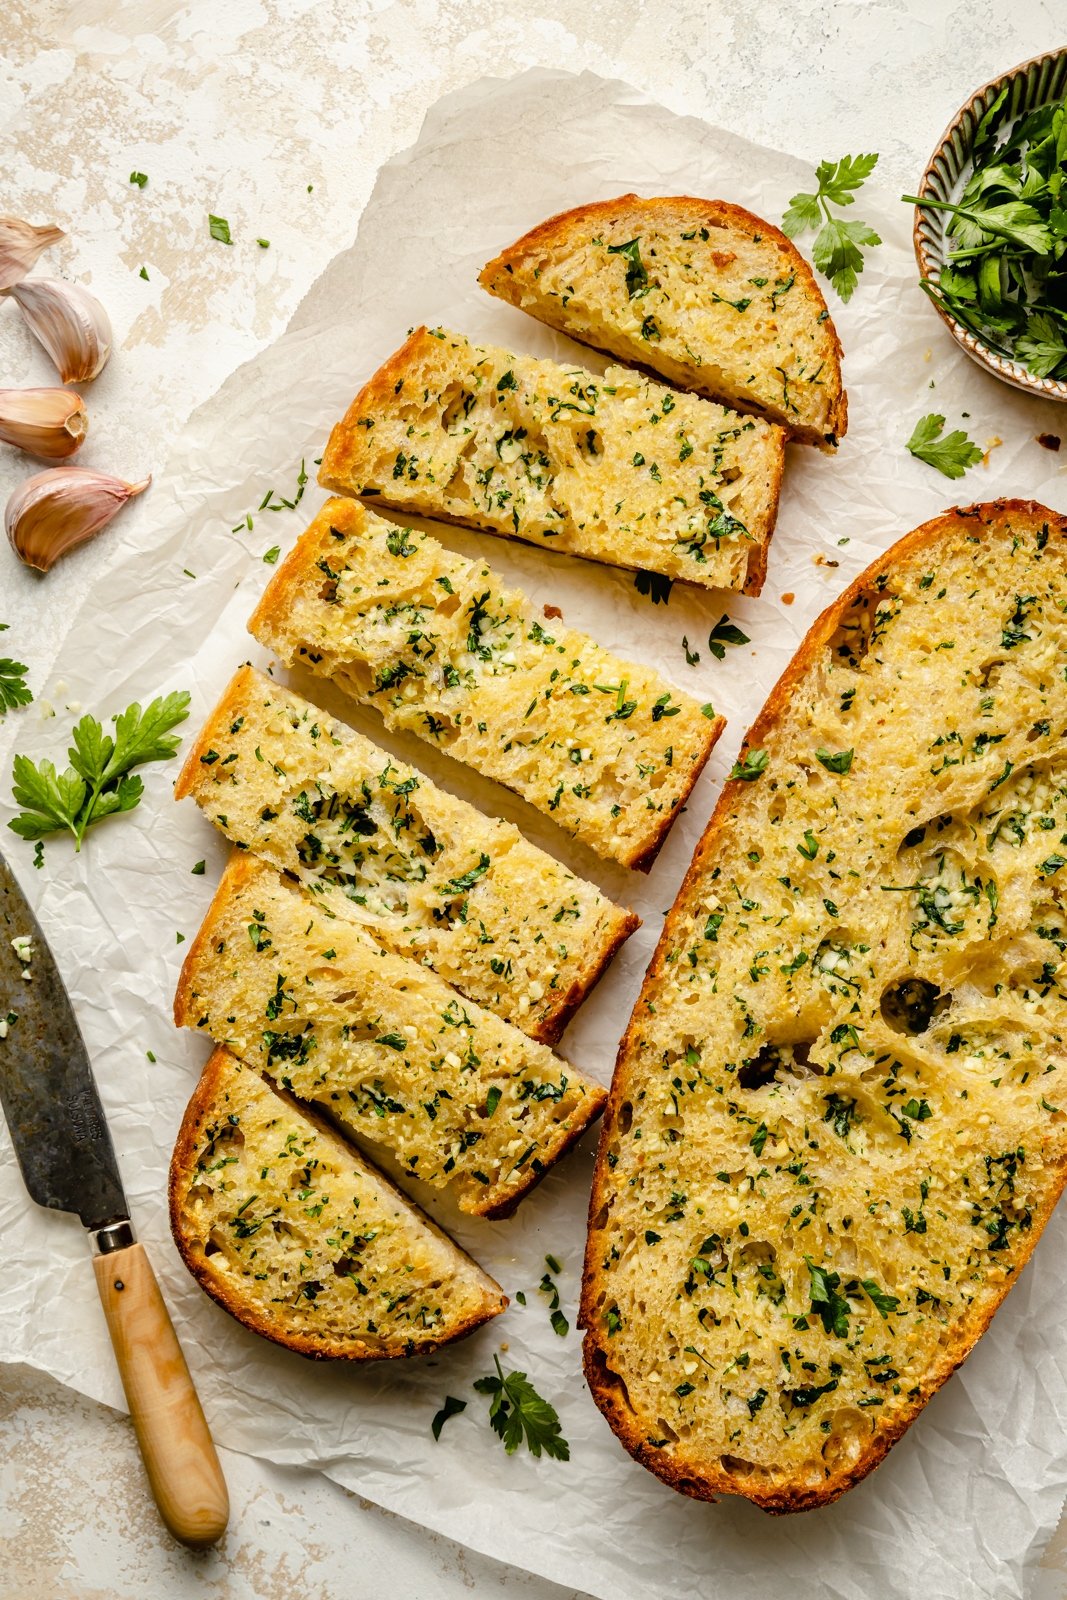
(964, 1504)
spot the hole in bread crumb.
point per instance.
(862, 626)
(735, 1467)
(777, 1061)
(626, 1117)
(911, 1005)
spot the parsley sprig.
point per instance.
(517, 1412)
(13, 690)
(100, 781)
(951, 454)
(838, 248)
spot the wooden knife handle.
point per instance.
(176, 1446)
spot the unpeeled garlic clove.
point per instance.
(51, 423)
(20, 245)
(69, 321)
(49, 514)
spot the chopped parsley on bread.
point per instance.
(838, 1122)
(286, 1226)
(618, 469)
(701, 292)
(604, 747)
(426, 874)
(459, 1098)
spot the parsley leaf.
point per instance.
(839, 762)
(832, 1307)
(839, 245)
(139, 178)
(724, 633)
(750, 768)
(99, 781)
(220, 229)
(951, 455)
(1043, 346)
(517, 1412)
(636, 276)
(883, 1303)
(13, 690)
(451, 1408)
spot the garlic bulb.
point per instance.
(70, 322)
(51, 423)
(49, 514)
(20, 245)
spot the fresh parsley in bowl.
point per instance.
(991, 226)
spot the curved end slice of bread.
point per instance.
(838, 1121)
(564, 459)
(285, 1224)
(426, 874)
(394, 1055)
(606, 748)
(700, 291)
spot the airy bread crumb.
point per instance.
(839, 1118)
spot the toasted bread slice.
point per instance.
(617, 469)
(461, 1099)
(426, 874)
(702, 292)
(839, 1117)
(285, 1224)
(604, 747)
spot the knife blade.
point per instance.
(61, 1138)
(64, 1151)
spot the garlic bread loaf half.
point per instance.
(291, 1231)
(461, 1099)
(838, 1122)
(433, 640)
(700, 291)
(426, 874)
(617, 469)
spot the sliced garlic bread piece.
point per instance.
(700, 291)
(618, 469)
(604, 747)
(839, 1118)
(285, 1224)
(429, 876)
(461, 1099)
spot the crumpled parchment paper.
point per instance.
(965, 1503)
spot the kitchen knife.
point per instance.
(64, 1149)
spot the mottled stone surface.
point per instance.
(276, 115)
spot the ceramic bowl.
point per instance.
(1030, 85)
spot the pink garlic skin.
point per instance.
(69, 322)
(20, 245)
(52, 512)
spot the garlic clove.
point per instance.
(49, 514)
(70, 322)
(20, 245)
(51, 423)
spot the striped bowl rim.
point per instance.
(1031, 84)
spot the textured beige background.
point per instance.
(276, 114)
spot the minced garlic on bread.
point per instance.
(285, 1224)
(618, 469)
(604, 747)
(700, 291)
(460, 1098)
(839, 1117)
(429, 876)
